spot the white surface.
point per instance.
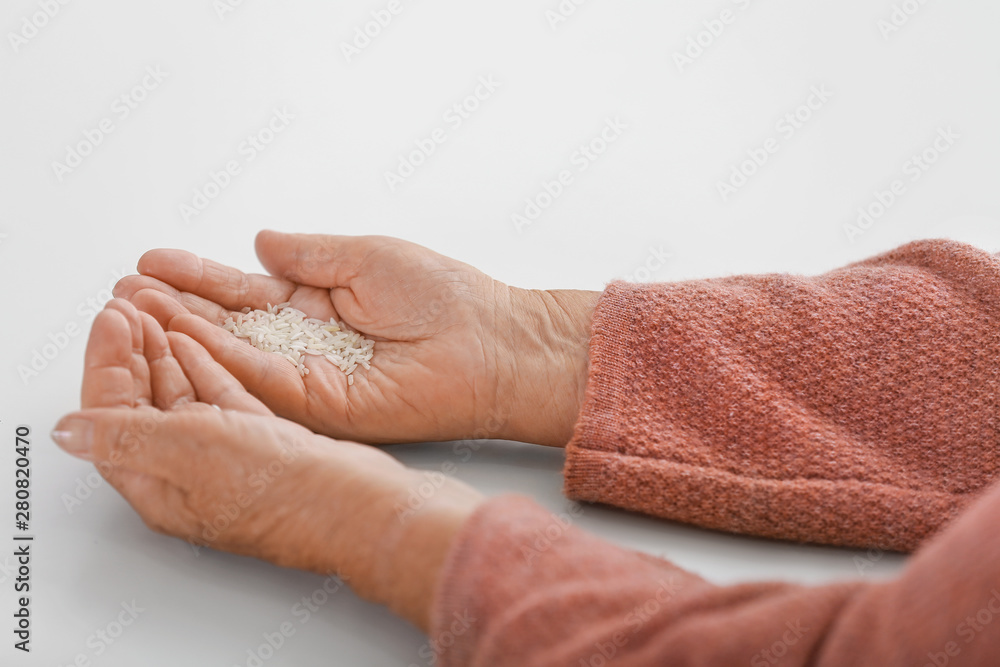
(655, 186)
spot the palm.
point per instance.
(429, 315)
(150, 399)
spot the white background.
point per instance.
(63, 239)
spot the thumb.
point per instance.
(319, 260)
(131, 448)
(131, 438)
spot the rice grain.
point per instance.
(287, 331)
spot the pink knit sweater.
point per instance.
(860, 407)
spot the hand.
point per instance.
(457, 355)
(201, 459)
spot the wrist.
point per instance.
(542, 363)
(399, 526)
(421, 537)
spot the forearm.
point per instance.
(855, 407)
(577, 600)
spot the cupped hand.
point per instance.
(457, 354)
(200, 458)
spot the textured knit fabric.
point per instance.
(859, 407)
(510, 598)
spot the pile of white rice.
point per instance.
(284, 330)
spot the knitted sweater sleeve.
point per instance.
(580, 602)
(858, 407)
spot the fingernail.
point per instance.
(74, 435)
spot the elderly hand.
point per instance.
(458, 355)
(201, 459)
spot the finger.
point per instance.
(142, 392)
(164, 305)
(267, 376)
(161, 307)
(129, 285)
(228, 287)
(163, 301)
(170, 385)
(212, 383)
(317, 259)
(107, 371)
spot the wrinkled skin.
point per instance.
(458, 354)
(188, 422)
(185, 444)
